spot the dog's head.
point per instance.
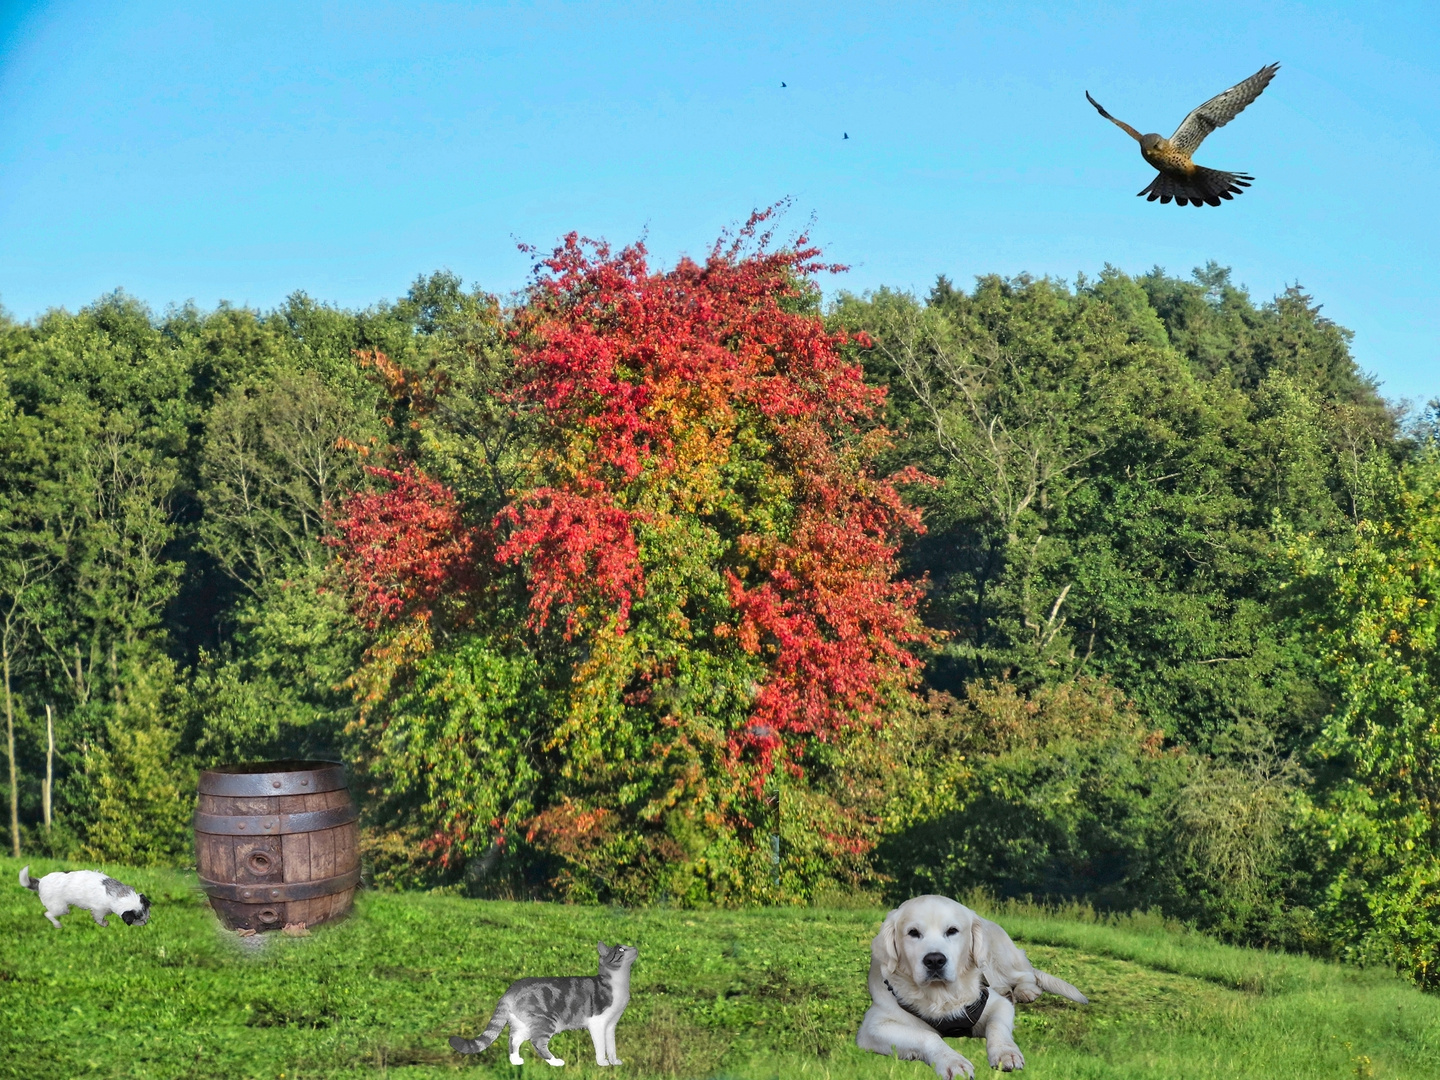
(927, 949)
(138, 915)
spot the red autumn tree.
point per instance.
(707, 558)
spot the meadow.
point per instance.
(737, 994)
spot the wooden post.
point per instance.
(49, 764)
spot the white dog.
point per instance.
(937, 971)
(88, 889)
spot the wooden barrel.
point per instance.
(276, 843)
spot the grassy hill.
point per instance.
(745, 995)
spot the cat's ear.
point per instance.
(604, 949)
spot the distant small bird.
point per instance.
(1180, 178)
(847, 134)
(782, 86)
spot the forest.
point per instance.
(683, 585)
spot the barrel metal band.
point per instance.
(274, 824)
(279, 893)
(261, 785)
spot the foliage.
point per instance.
(151, 470)
(1376, 606)
(272, 461)
(1059, 796)
(278, 690)
(1106, 498)
(706, 563)
(605, 591)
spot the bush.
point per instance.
(1065, 794)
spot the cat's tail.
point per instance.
(489, 1035)
(27, 880)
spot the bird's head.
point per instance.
(1149, 142)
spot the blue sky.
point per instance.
(243, 151)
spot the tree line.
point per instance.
(684, 585)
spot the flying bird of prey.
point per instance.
(1180, 178)
(847, 135)
(782, 86)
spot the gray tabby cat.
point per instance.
(536, 1009)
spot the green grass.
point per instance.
(745, 995)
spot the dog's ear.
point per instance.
(129, 917)
(980, 953)
(144, 901)
(885, 949)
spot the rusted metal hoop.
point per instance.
(274, 824)
(265, 893)
(285, 778)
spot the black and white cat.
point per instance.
(536, 1009)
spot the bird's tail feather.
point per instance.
(1204, 186)
(27, 880)
(486, 1037)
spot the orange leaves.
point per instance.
(570, 830)
(406, 387)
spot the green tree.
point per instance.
(1375, 605)
(1107, 497)
(102, 402)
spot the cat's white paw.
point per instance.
(516, 1059)
(616, 1061)
(554, 1061)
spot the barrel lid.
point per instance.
(258, 779)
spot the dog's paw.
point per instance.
(1007, 1059)
(954, 1067)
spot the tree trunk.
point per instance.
(10, 746)
(49, 766)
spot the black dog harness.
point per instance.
(960, 1025)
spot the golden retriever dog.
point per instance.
(938, 971)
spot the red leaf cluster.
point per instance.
(572, 539)
(405, 547)
(830, 620)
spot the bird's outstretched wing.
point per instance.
(1220, 110)
(1118, 123)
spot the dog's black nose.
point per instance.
(934, 961)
